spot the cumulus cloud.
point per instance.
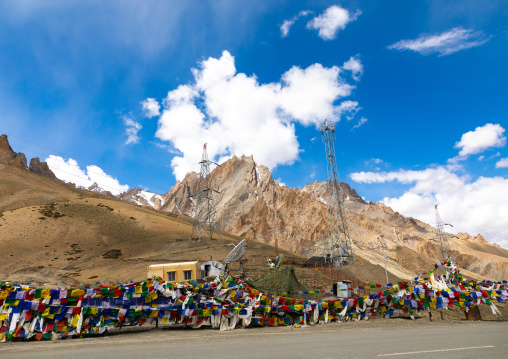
(473, 206)
(151, 107)
(502, 163)
(286, 25)
(69, 171)
(235, 114)
(446, 43)
(355, 66)
(131, 130)
(481, 139)
(331, 21)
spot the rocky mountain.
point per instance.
(98, 189)
(245, 208)
(142, 198)
(41, 168)
(8, 156)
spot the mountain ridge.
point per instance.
(245, 209)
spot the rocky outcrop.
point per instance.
(8, 156)
(319, 191)
(98, 189)
(22, 157)
(142, 198)
(42, 168)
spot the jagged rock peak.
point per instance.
(8, 156)
(142, 198)
(98, 189)
(319, 191)
(42, 168)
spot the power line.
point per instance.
(75, 175)
(82, 160)
(63, 161)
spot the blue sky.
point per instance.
(404, 81)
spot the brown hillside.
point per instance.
(51, 231)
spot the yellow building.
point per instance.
(175, 272)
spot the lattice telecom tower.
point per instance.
(443, 249)
(339, 231)
(205, 211)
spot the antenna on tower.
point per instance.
(275, 231)
(339, 231)
(205, 211)
(443, 249)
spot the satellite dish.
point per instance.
(236, 254)
(278, 260)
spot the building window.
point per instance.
(187, 275)
(171, 276)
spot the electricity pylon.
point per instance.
(339, 231)
(275, 229)
(205, 211)
(443, 249)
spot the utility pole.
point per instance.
(339, 231)
(383, 245)
(324, 250)
(275, 232)
(205, 211)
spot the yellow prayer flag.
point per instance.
(75, 319)
(77, 293)
(45, 293)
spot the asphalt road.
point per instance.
(373, 339)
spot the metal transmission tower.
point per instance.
(205, 212)
(275, 230)
(339, 231)
(443, 249)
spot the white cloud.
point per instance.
(286, 25)
(331, 21)
(502, 163)
(309, 94)
(151, 107)
(359, 123)
(445, 43)
(69, 171)
(354, 65)
(473, 206)
(376, 163)
(481, 139)
(235, 114)
(131, 130)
